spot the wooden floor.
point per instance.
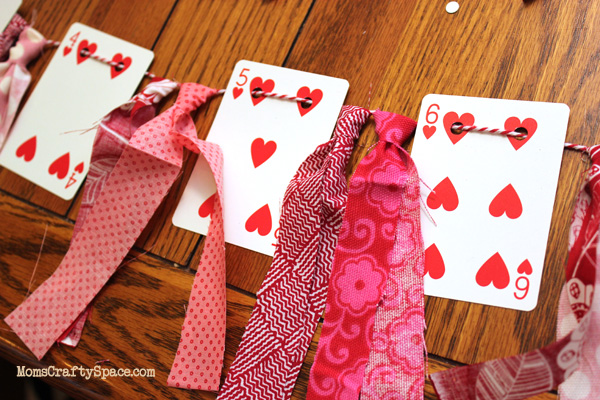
(393, 53)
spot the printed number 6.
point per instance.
(243, 76)
(429, 113)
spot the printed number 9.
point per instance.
(524, 288)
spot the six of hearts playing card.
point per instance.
(489, 208)
(264, 140)
(51, 141)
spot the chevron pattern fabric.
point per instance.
(371, 344)
(292, 296)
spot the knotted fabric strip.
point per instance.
(142, 177)
(371, 342)
(526, 375)
(292, 296)
(112, 137)
(14, 77)
(10, 35)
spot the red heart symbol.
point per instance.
(525, 268)
(67, 50)
(493, 271)
(257, 83)
(207, 207)
(123, 64)
(305, 93)
(514, 123)
(261, 151)
(428, 131)
(60, 166)
(451, 118)
(434, 263)
(91, 49)
(260, 220)
(27, 149)
(443, 194)
(507, 201)
(237, 91)
(79, 167)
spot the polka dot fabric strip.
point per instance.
(141, 178)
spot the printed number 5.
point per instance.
(243, 76)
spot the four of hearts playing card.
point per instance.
(264, 140)
(489, 203)
(51, 141)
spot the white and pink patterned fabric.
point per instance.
(10, 35)
(574, 359)
(14, 77)
(111, 139)
(372, 344)
(292, 296)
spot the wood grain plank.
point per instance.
(528, 51)
(202, 43)
(129, 20)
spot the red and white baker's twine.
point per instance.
(84, 52)
(458, 129)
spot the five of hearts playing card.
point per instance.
(51, 141)
(8, 9)
(488, 213)
(264, 140)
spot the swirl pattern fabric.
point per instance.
(112, 136)
(292, 296)
(10, 35)
(371, 343)
(141, 178)
(526, 375)
(15, 78)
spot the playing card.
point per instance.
(264, 140)
(51, 141)
(489, 203)
(7, 11)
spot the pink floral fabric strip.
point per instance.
(526, 375)
(292, 296)
(10, 35)
(141, 178)
(396, 367)
(361, 280)
(14, 77)
(111, 139)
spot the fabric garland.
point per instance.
(292, 296)
(112, 137)
(145, 172)
(10, 35)
(372, 344)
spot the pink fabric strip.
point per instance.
(141, 178)
(526, 375)
(368, 271)
(292, 296)
(10, 35)
(14, 77)
(111, 139)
